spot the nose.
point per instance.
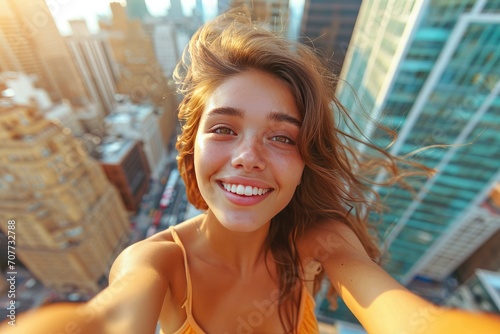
(249, 155)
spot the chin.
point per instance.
(241, 224)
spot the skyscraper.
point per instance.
(137, 9)
(328, 26)
(93, 58)
(126, 167)
(432, 69)
(71, 223)
(273, 13)
(175, 11)
(33, 45)
(22, 92)
(140, 75)
(223, 5)
(140, 123)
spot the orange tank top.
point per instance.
(307, 319)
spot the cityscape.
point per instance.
(88, 125)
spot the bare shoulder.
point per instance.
(327, 238)
(158, 253)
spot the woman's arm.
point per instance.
(130, 304)
(380, 303)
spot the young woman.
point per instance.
(286, 199)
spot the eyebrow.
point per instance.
(282, 117)
(273, 116)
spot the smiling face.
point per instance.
(246, 161)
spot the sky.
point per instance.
(64, 10)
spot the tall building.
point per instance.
(17, 51)
(140, 123)
(431, 68)
(461, 240)
(487, 255)
(480, 293)
(33, 45)
(93, 58)
(223, 6)
(140, 74)
(327, 26)
(70, 222)
(273, 13)
(21, 91)
(169, 41)
(137, 9)
(175, 10)
(126, 167)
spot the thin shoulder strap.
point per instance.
(188, 301)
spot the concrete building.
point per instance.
(327, 26)
(137, 9)
(481, 293)
(140, 75)
(175, 11)
(126, 167)
(140, 123)
(461, 241)
(71, 223)
(169, 42)
(19, 88)
(31, 43)
(274, 14)
(21, 91)
(93, 57)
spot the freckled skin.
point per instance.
(250, 146)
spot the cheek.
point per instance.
(206, 158)
(290, 170)
(198, 157)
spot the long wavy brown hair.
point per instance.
(337, 179)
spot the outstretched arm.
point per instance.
(130, 304)
(380, 303)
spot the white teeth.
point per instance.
(248, 191)
(244, 190)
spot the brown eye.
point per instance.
(224, 131)
(283, 139)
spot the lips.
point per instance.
(243, 190)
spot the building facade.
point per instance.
(21, 91)
(34, 45)
(70, 221)
(140, 75)
(481, 293)
(430, 69)
(93, 57)
(140, 123)
(274, 14)
(327, 26)
(127, 169)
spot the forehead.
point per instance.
(253, 91)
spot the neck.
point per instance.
(240, 252)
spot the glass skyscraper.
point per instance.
(431, 70)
